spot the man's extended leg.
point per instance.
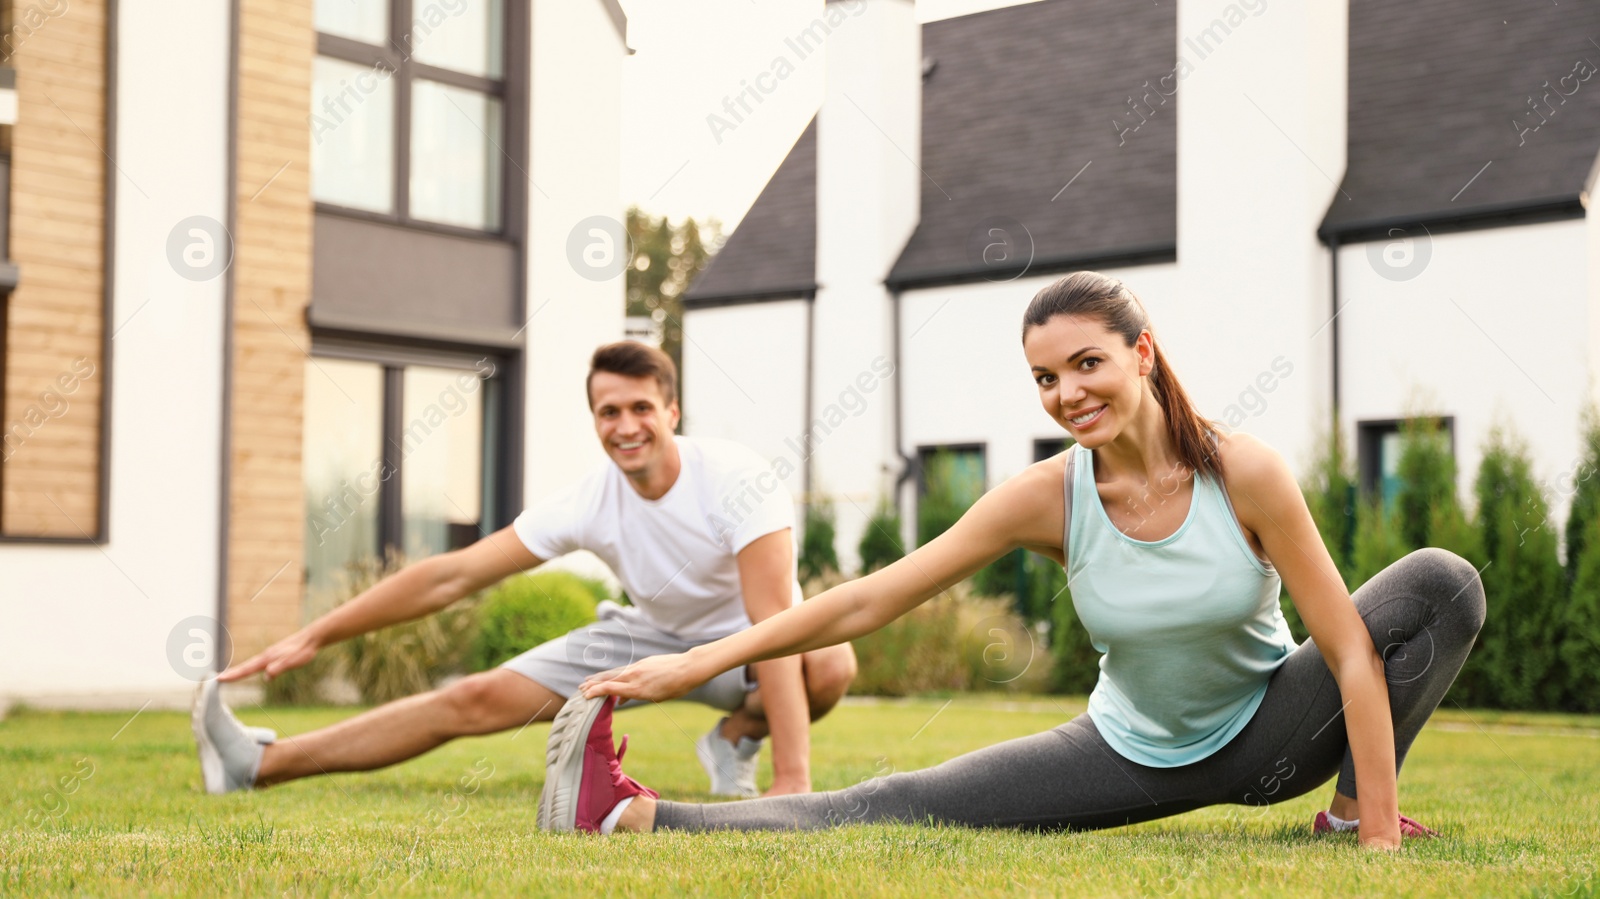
(478, 704)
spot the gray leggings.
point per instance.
(1423, 612)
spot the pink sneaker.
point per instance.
(1409, 827)
(1321, 825)
(583, 772)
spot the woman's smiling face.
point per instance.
(1089, 381)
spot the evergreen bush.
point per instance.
(1514, 664)
(1579, 654)
(817, 554)
(524, 611)
(880, 542)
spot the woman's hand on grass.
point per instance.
(291, 652)
(654, 679)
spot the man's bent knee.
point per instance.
(492, 701)
(829, 673)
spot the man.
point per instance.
(699, 552)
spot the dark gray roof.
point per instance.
(773, 252)
(1435, 86)
(1020, 100)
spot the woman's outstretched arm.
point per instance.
(1023, 511)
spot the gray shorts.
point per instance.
(562, 664)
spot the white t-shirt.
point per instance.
(676, 556)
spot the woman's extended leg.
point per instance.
(1065, 777)
(1423, 613)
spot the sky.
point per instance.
(691, 55)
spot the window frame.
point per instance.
(499, 472)
(926, 450)
(405, 71)
(1049, 447)
(1369, 447)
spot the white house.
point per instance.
(330, 287)
(1342, 205)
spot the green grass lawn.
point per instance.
(96, 804)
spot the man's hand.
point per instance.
(655, 679)
(290, 652)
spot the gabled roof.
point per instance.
(1435, 89)
(773, 252)
(1019, 101)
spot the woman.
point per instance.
(1203, 696)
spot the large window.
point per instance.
(408, 110)
(397, 455)
(949, 480)
(1379, 447)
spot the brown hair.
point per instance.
(1109, 301)
(633, 359)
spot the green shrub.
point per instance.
(524, 611)
(600, 590)
(1003, 652)
(1584, 487)
(1580, 628)
(1514, 665)
(304, 685)
(880, 542)
(1075, 663)
(919, 652)
(959, 640)
(1378, 542)
(1005, 577)
(408, 658)
(1427, 472)
(1331, 498)
(817, 554)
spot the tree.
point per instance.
(880, 542)
(1331, 497)
(1585, 489)
(1514, 665)
(1580, 627)
(666, 260)
(817, 555)
(1427, 473)
(1427, 508)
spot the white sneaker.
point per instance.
(266, 736)
(732, 768)
(230, 753)
(607, 608)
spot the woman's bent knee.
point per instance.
(1460, 588)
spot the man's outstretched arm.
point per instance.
(766, 576)
(418, 589)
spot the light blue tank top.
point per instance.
(1189, 626)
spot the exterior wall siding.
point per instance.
(54, 370)
(1478, 335)
(272, 286)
